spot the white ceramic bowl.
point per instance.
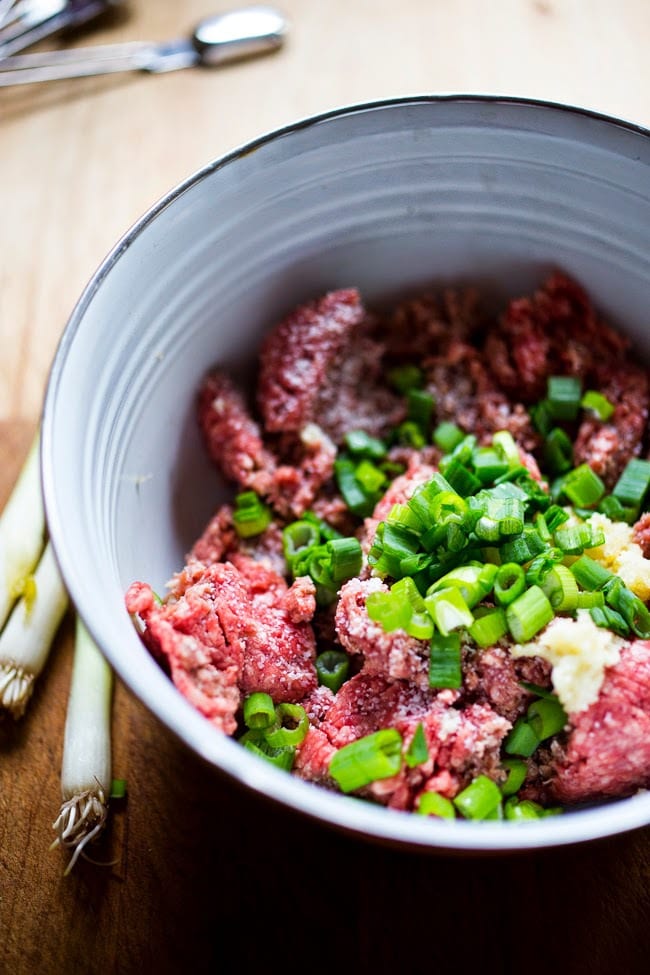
(386, 196)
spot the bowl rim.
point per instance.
(352, 816)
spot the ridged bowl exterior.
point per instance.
(387, 197)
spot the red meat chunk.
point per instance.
(320, 365)
(608, 749)
(642, 533)
(230, 629)
(461, 744)
(394, 655)
(556, 331)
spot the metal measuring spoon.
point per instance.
(230, 36)
(30, 21)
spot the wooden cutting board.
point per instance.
(190, 859)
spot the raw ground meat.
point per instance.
(232, 625)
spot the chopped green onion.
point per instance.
(528, 614)
(298, 538)
(563, 396)
(608, 619)
(587, 600)
(448, 609)
(403, 378)
(542, 418)
(280, 757)
(504, 443)
(370, 477)
(517, 771)
(480, 798)
(546, 717)
(410, 434)
(251, 516)
(489, 464)
(555, 516)
(521, 739)
(632, 486)
(433, 804)
(118, 789)
(590, 574)
(524, 548)
(445, 661)
(447, 436)
(583, 487)
(420, 406)
(293, 726)
(489, 626)
(418, 751)
(561, 589)
(346, 558)
(390, 610)
(358, 501)
(259, 710)
(596, 403)
(373, 757)
(631, 608)
(615, 511)
(361, 444)
(332, 667)
(519, 811)
(509, 583)
(558, 451)
(473, 581)
(460, 477)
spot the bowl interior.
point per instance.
(387, 197)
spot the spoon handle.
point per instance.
(230, 36)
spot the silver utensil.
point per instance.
(29, 21)
(229, 36)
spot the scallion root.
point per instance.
(80, 821)
(86, 765)
(16, 686)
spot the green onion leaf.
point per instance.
(517, 771)
(280, 757)
(598, 404)
(590, 574)
(293, 726)
(583, 487)
(418, 751)
(632, 486)
(479, 799)
(557, 451)
(346, 558)
(403, 378)
(447, 436)
(332, 668)
(361, 444)
(509, 583)
(489, 626)
(521, 739)
(519, 811)
(445, 661)
(259, 710)
(376, 756)
(433, 804)
(563, 395)
(420, 406)
(251, 516)
(528, 614)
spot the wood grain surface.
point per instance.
(190, 859)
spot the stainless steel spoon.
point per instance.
(233, 35)
(28, 21)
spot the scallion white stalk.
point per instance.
(28, 635)
(86, 766)
(22, 532)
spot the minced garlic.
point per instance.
(578, 651)
(622, 555)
